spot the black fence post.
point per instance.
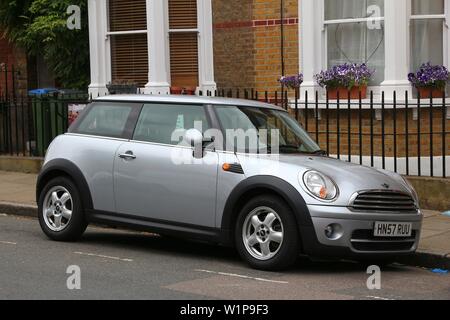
(317, 117)
(360, 129)
(306, 110)
(371, 130)
(328, 123)
(383, 136)
(444, 133)
(22, 107)
(419, 160)
(407, 131)
(395, 130)
(349, 128)
(431, 137)
(338, 126)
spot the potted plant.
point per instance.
(292, 82)
(430, 80)
(176, 90)
(190, 91)
(122, 87)
(345, 81)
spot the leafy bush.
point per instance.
(40, 26)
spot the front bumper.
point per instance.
(356, 233)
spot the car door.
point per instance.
(157, 178)
(92, 143)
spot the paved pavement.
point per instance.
(19, 188)
(128, 265)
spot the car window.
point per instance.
(103, 119)
(158, 122)
(261, 130)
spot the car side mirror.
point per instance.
(195, 139)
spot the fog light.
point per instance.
(334, 231)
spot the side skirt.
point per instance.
(156, 226)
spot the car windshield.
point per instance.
(260, 130)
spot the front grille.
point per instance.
(384, 201)
(382, 246)
(364, 240)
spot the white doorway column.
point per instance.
(99, 47)
(205, 47)
(158, 47)
(397, 48)
(311, 44)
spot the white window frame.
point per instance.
(326, 23)
(313, 46)
(445, 26)
(159, 56)
(188, 30)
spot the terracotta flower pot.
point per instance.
(176, 90)
(190, 91)
(426, 92)
(344, 93)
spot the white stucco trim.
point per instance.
(397, 48)
(158, 47)
(205, 46)
(311, 44)
(100, 56)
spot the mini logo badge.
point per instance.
(385, 185)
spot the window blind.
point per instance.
(183, 45)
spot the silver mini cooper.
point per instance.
(235, 172)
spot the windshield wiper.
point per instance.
(320, 152)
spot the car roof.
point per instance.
(186, 99)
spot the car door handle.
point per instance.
(127, 155)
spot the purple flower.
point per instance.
(431, 76)
(292, 82)
(345, 75)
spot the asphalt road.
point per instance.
(126, 265)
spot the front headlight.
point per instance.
(320, 186)
(411, 189)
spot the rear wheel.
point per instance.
(266, 234)
(60, 210)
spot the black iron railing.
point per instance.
(408, 136)
(29, 124)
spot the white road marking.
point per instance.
(7, 242)
(379, 298)
(241, 276)
(103, 256)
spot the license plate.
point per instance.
(392, 229)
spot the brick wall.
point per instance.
(233, 43)
(11, 56)
(247, 42)
(339, 143)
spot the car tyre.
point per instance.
(266, 234)
(60, 210)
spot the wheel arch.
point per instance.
(62, 167)
(258, 185)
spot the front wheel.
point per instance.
(266, 234)
(60, 211)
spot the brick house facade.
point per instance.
(248, 44)
(12, 59)
(30, 72)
